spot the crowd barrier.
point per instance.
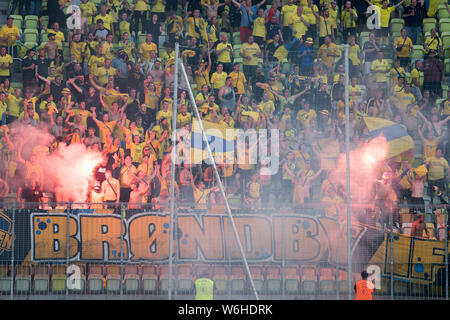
(119, 253)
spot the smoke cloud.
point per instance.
(67, 171)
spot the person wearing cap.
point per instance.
(59, 35)
(9, 33)
(51, 47)
(305, 54)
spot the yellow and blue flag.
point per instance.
(221, 140)
(397, 136)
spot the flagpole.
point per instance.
(216, 173)
(347, 154)
(172, 178)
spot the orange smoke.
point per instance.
(72, 169)
(365, 163)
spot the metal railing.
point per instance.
(122, 253)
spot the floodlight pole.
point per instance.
(347, 154)
(172, 178)
(216, 173)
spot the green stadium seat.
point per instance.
(141, 37)
(30, 35)
(58, 278)
(41, 280)
(443, 13)
(447, 66)
(291, 280)
(273, 280)
(396, 25)
(418, 52)
(185, 280)
(258, 279)
(31, 22)
(444, 27)
(5, 279)
(237, 280)
(164, 279)
(309, 280)
(342, 282)
(45, 20)
(95, 278)
(22, 281)
(113, 278)
(149, 278)
(327, 281)
(17, 21)
(220, 278)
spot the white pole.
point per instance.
(347, 152)
(216, 173)
(172, 180)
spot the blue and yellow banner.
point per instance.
(396, 135)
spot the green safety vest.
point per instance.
(204, 289)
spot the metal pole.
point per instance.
(347, 151)
(67, 247)
(122, 216)
(446, 254)
(12, 248)
(283, 258)
(216, 174)
(172, 183)
(391, 241)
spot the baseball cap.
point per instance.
(325, 112)
(65, 90)
(309, 40)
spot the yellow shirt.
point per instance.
(192, 23)
(250, 50)
(415, 74)
(4, 71)
(13, 105)
(325, 26)
(259, 27)
(107, 20)
(298, 25)
(406, 49)
(354, 89)
(436, 168)
(353, 53)
(380, 65)
(433, 44)
(77, 49)
(225, 56)
(88, 8)
(394, 74)
(324, 50)
(306, 117)
(429, 148)
(140, 5)
(159, 6)
(103, 74)
(238, 81)
(287, 12)
(348, 18)
(9, 33)
(333, 16)
(385, 16)
(183, 120)
(309, 16)
(218, 79)
(124, 26)
(446, 108)
(145, 48)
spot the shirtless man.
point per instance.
(212, 8)
(156, 73)
(51, 47)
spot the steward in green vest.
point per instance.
(204, 288)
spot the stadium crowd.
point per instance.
(261, 65)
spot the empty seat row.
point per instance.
(154, 279)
